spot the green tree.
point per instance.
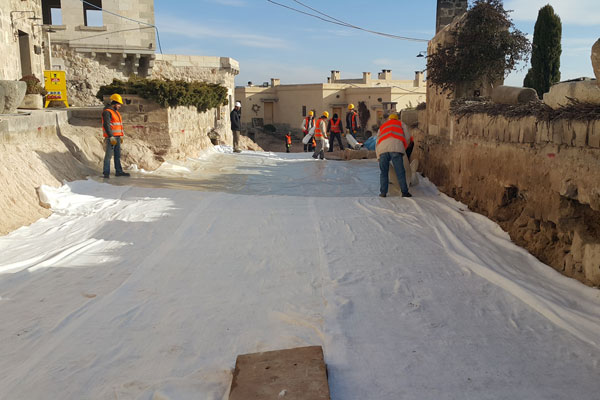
(545, 55)
(486, 47)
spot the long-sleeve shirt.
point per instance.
(236, 123)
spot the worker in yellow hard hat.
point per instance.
(321, 136)
(307, 123)
(352, 122)
(112, 127)
(393, 141)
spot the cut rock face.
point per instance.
(14, 92)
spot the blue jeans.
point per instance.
(384, 166)
(110, 149)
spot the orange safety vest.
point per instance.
(392, 129)
(306, 125)
(335, 126)
(116, 123)
(318, 133)
(288, 139)
(353, 119)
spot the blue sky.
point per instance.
(273, 42)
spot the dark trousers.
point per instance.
(111, 150)
(287, 148)
(384, 166)
(332, 137)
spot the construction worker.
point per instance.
(321, 135)
(112, 129)
(392, 142)
(236, 125)
(352, 122)
(335, 131)
(288, 142)
(307, 123)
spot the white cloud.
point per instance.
(576, 12)
(182, 27)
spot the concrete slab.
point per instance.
(291, 374)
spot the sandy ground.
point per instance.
(148, 288)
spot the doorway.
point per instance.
(25, 52)
(268, 113)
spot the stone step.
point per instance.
(291, 374)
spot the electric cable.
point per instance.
(127, 18)
(336, 21)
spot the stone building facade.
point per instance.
(284, 105)
(22, 42)
(99, 40)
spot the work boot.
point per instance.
(122, 173)
(382, 195)
(106, 176)
(406, 194)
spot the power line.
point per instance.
(127, 18)
(336, 21)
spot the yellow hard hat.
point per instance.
(117, 98)
(311, 113)
(350, 106)
(393, 116)
(326, 114)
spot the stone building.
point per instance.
(284, 105)
(95, 41)
(22, 42)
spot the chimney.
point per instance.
(366, 77)
(335, 76)
(418, 79)
(275, 82)
(385, 75)
(447, 10)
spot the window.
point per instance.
(51, 12)
(304, 111)
(92, 13)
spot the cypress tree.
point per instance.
(545, 55)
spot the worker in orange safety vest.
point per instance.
(335, 131)
(321, 136)
(112, 127)
(393, 141)
(288, 142)
(307, 123)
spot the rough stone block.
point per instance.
(584, 91)
(591, 262)
(580, 131)
(14, 92)
(557, 132)
(594, 134)
(568, 134)
(513, 95)
(596, 60)
(294, 374)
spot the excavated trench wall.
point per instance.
(50, 147)
(540, 181)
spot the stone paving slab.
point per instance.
(291, 374)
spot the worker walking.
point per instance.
(335, 132)
(288, 142)
(321, 136)
(236, 125)
(392, 142)
(307, 123)
(352, 122)
(112, 127)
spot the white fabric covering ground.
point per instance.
(149, 287)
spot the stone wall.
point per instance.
(447, 10)
(11, 67)
(540, 181)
